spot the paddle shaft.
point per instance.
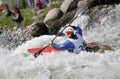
(76, 16)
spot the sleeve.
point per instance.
(67, 45)
(77, 30)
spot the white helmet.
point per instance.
(68, 31)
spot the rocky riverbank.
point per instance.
(11, 39)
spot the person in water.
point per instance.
(75, 43)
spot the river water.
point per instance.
(20, 64)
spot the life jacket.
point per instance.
(78, 43)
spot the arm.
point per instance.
(77, 30)
(67, 45)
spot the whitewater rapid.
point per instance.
(20, 64)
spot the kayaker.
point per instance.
(75, 43)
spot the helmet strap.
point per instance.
(72, 36)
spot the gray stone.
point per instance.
(68, 5)
(38, 29)
(53, 15)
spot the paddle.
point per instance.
(79, 12)
(38, 53)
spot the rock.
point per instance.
(0, 31)
(81, 3)
(56, 24)
(68, 5)
(38, 29)
(103, 48)
(53, 15)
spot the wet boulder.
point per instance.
(53, 15)
(68, 5)
(38, 29)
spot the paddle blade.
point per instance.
(81, 11)
(37, 54)
(34, 50)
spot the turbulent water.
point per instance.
(20, 64)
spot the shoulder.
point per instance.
(68, 42)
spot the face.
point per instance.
(68, 33)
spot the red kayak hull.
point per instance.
(49, 49)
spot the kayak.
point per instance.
(89, 48)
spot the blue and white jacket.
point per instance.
(74, 45)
